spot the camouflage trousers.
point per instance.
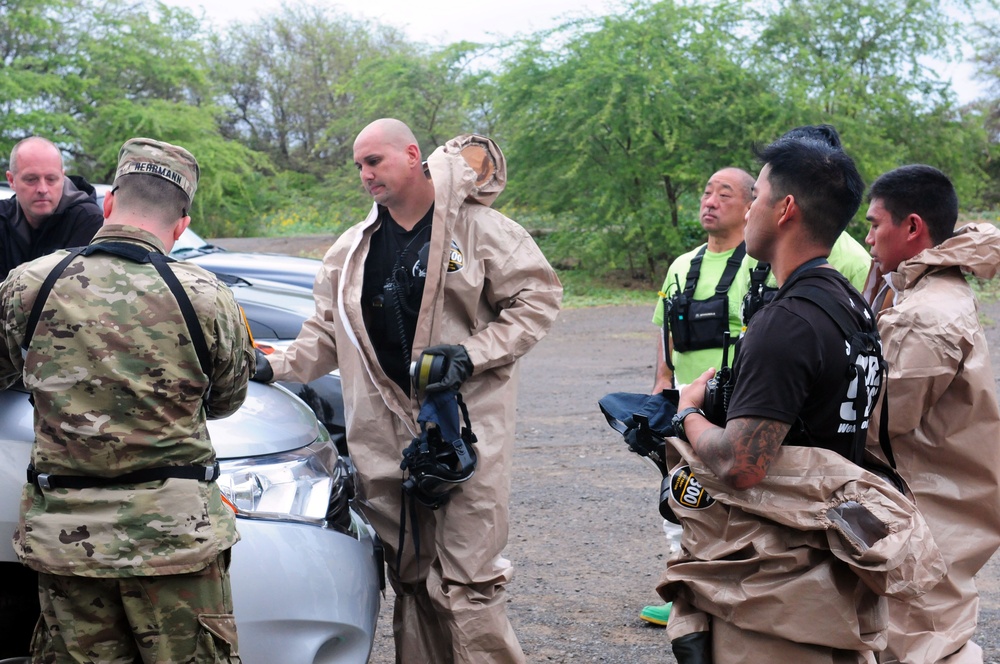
(149, 620)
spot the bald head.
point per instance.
(389, 132)
(35, 147)
(724, 204)
(36, 176)
(388, 159)
(740, 181)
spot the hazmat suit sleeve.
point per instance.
(527, 293)
(314, 351)
(922, 365)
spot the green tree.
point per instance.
(987, 110)
(286, 82)
(865, 68)
(93, 74)
(36, 66)
(615, 123)
(436, 92)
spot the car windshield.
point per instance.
(190, 241)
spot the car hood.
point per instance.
(292, 270)
(271, 420)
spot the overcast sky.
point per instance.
(439, 22)
(435, 22)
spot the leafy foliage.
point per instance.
(619, 124)
(610, 124)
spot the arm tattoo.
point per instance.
(741, 453)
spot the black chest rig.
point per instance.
(759, 294)
(698, 324)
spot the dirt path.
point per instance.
(585, 535)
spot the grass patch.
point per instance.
(988, 292)
(581, 289)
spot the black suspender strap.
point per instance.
(732, 267)
(137, 254)
(883, 426)
(725, 281)
(159, 262)
(758, 275)
(43, 295)
(836, 313)
(694, 271)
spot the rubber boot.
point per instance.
(694, 648)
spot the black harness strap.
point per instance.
(682, 300)
(725, 281)
(43, 295)
(834, 310)
(838, 313)
(137, 254)
(159, 262)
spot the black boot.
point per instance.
(694, 648)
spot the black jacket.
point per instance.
(73, 224)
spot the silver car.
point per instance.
(307, 572)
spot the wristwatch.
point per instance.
(678, 422)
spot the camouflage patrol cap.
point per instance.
(170, 162)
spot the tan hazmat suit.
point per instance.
(795, 568)
(490, 289)
(944, 427)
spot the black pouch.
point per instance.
(699, 324)
(703, 325)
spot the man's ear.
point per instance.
(109, 203)
(10, 179)
(413, 154)
(181, 227)
(916, 227)
(789, 209)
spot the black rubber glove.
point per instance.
(263, 372)
(457, 367)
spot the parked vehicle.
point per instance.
(308, 571)
(276, 295)
(292, 270)
(276, 313)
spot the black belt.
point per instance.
(200, 473)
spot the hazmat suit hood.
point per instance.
(488, 175)
(975, 248)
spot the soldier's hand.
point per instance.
(457, 368)
(263, 373)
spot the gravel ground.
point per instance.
(586, 539)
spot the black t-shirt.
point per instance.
(395, 271)
(792, 366)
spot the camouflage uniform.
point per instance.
(118, 387)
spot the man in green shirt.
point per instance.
(724, 205)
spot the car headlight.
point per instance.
(313, 485)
